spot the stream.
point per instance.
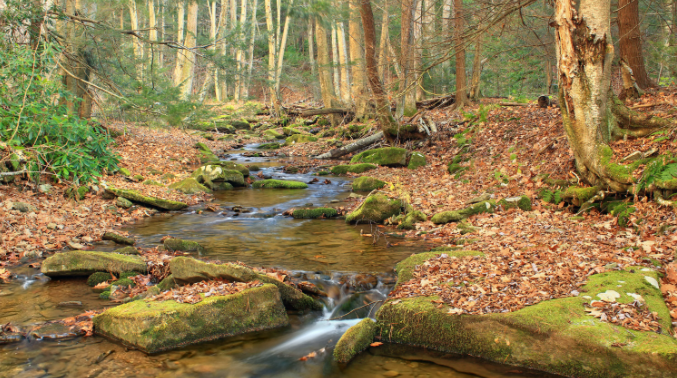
(352, 268)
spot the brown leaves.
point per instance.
(197, 292)
(634, 315)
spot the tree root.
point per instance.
(635, 124)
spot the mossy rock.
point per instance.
(279, 184)
(160, 203)
(154, 326)
(77, 193)
(167, 177)
(85, 263)
(153, 183)
(167, 283)
(274, 134)
(225, 138)
(123, 203)
(289, 131)
(189, 186)
(97, 278)
(269, 146)
(411, 219)
(138, 178)
(458, 215)
(241, 125)
(105, 295)
(466, 228)
(622, 210)
(356, 340)
(230, 165)
(376, 209)
(320, 212)
(406, 267)
(254, 167)
(387, 156)
(521, 202)
(367, 184)
(556, 336)
(299, 138)
(124, 171)
(123, 282)
(189, 270)
(216, 173)
(579, 195)
(353, 168)
(119, 239)
(180, 245)
(417, 160)
(129, 250)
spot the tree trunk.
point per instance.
(343, 59)
(271, 58)
(280, 52)
(239, 54)
(382, 104)
(631, 42)
(476, 71)
(311, 55)
(209, 77)
(357, 69)
(187, 73)
(383, 66)
(324, 66)
(408, 93)
(461, 81)
(180, 53)
(138, 49)
(335, 61)
(219, 82)
(445, 68)
(250, 66)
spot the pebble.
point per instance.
(51, 226)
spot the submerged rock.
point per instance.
(84, 263)
(189, 270)
(176, 244)
(555, 335)
(279, 184)
(154, 326)
(135, 196)
(189, 186)
(367, 184)
(355, 341)
(376, 209)
(388, 156)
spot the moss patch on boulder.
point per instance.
(98, 277)
(388, 156)
(367, 184)
(417, 160)
(279, 184)
(355, 341)
(458, 215)
(522, 202)
(160, 203)
(324, 212)
(215, 173)
(119, 239)
(269, 146)
(376, 209)
(411, 219)
(85, 263)
(176, 244)
(353, 168)
(129, 250)
(230, 165)
(154, 326)
(274, 134)
(189, 186)
(299, 138)
(188, 270)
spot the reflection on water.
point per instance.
(321, 251)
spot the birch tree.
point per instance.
(357, 68)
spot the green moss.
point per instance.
(356, 339)
(580, 194)
(128, 274)
(176, 244)
(367, 184)
(230, 165)
(153, 183)
(466, 228)
(458, 215)
(299, 138)
(105, 295)
(289, 131)
(274, 134)
(119, 239)
(411, 219)
(135, 196)
(77, 193)
(323, 212)
(279, 184)
(522, 202)
(129, 250)
(97, 278)
(388, 156)
(269, 146)
(619, 172)
(167, 177)
(123, 282)
(167, 283)
(124, 171)
(376, 208)
(208, 174)
(138, 177)
(154, 326)
(354, 168)
(189, 186)
(254, 168)
(323, 173)
(416, 160)
(455, 168)
(85, 263)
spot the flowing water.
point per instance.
(355, 270)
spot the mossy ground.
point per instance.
(353, 168)
(279, 184)
(409, 220)
(522, 202)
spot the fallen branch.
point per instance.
(514, 104)
(437, 103)
(345, 150)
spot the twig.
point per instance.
(359, 308)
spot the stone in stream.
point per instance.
(84, 263)
(129, 250)
(188, 270)
(119, 239)
(355, 341)
(376, 208)
(324, 212)
(135, 196)
(154, 326)
(176, 244)
(556, 335)
(279, 184)
(189, 186)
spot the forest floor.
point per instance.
(511, 148)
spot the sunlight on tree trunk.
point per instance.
(357, 69)
(187, 73)
(343, 59)
(407, 106)
(335, 61)
(274, 101)
(138, 48)
(324, 67)
(631, 42)
(180, 53)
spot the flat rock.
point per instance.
(135, 196)
(84, 263)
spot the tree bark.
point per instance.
(461, 81)
(187, 73)
(280, 52)
(357, 145)
(180, 53)
(343, 59)
(311, 55)
(357, 68)
(631, 42)
(271, 58)
(138, 49)
(324, 66)
(251, 49)
(408, 94)
(476, 71)
(335, 61)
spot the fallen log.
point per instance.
(514, 104)
(345, 150)
(437, 103)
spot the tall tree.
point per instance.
(357, 68)
(408, 100)
(324, 66)
(187, 70)
(631, 41)
(459, 46)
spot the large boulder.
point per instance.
(387, 156)
(216, 173)
(188, 270)
(230, 165)
(135, 196)
(556, 336)
(154, 326)
(84, 263)
(367, 184)
(375, 209)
